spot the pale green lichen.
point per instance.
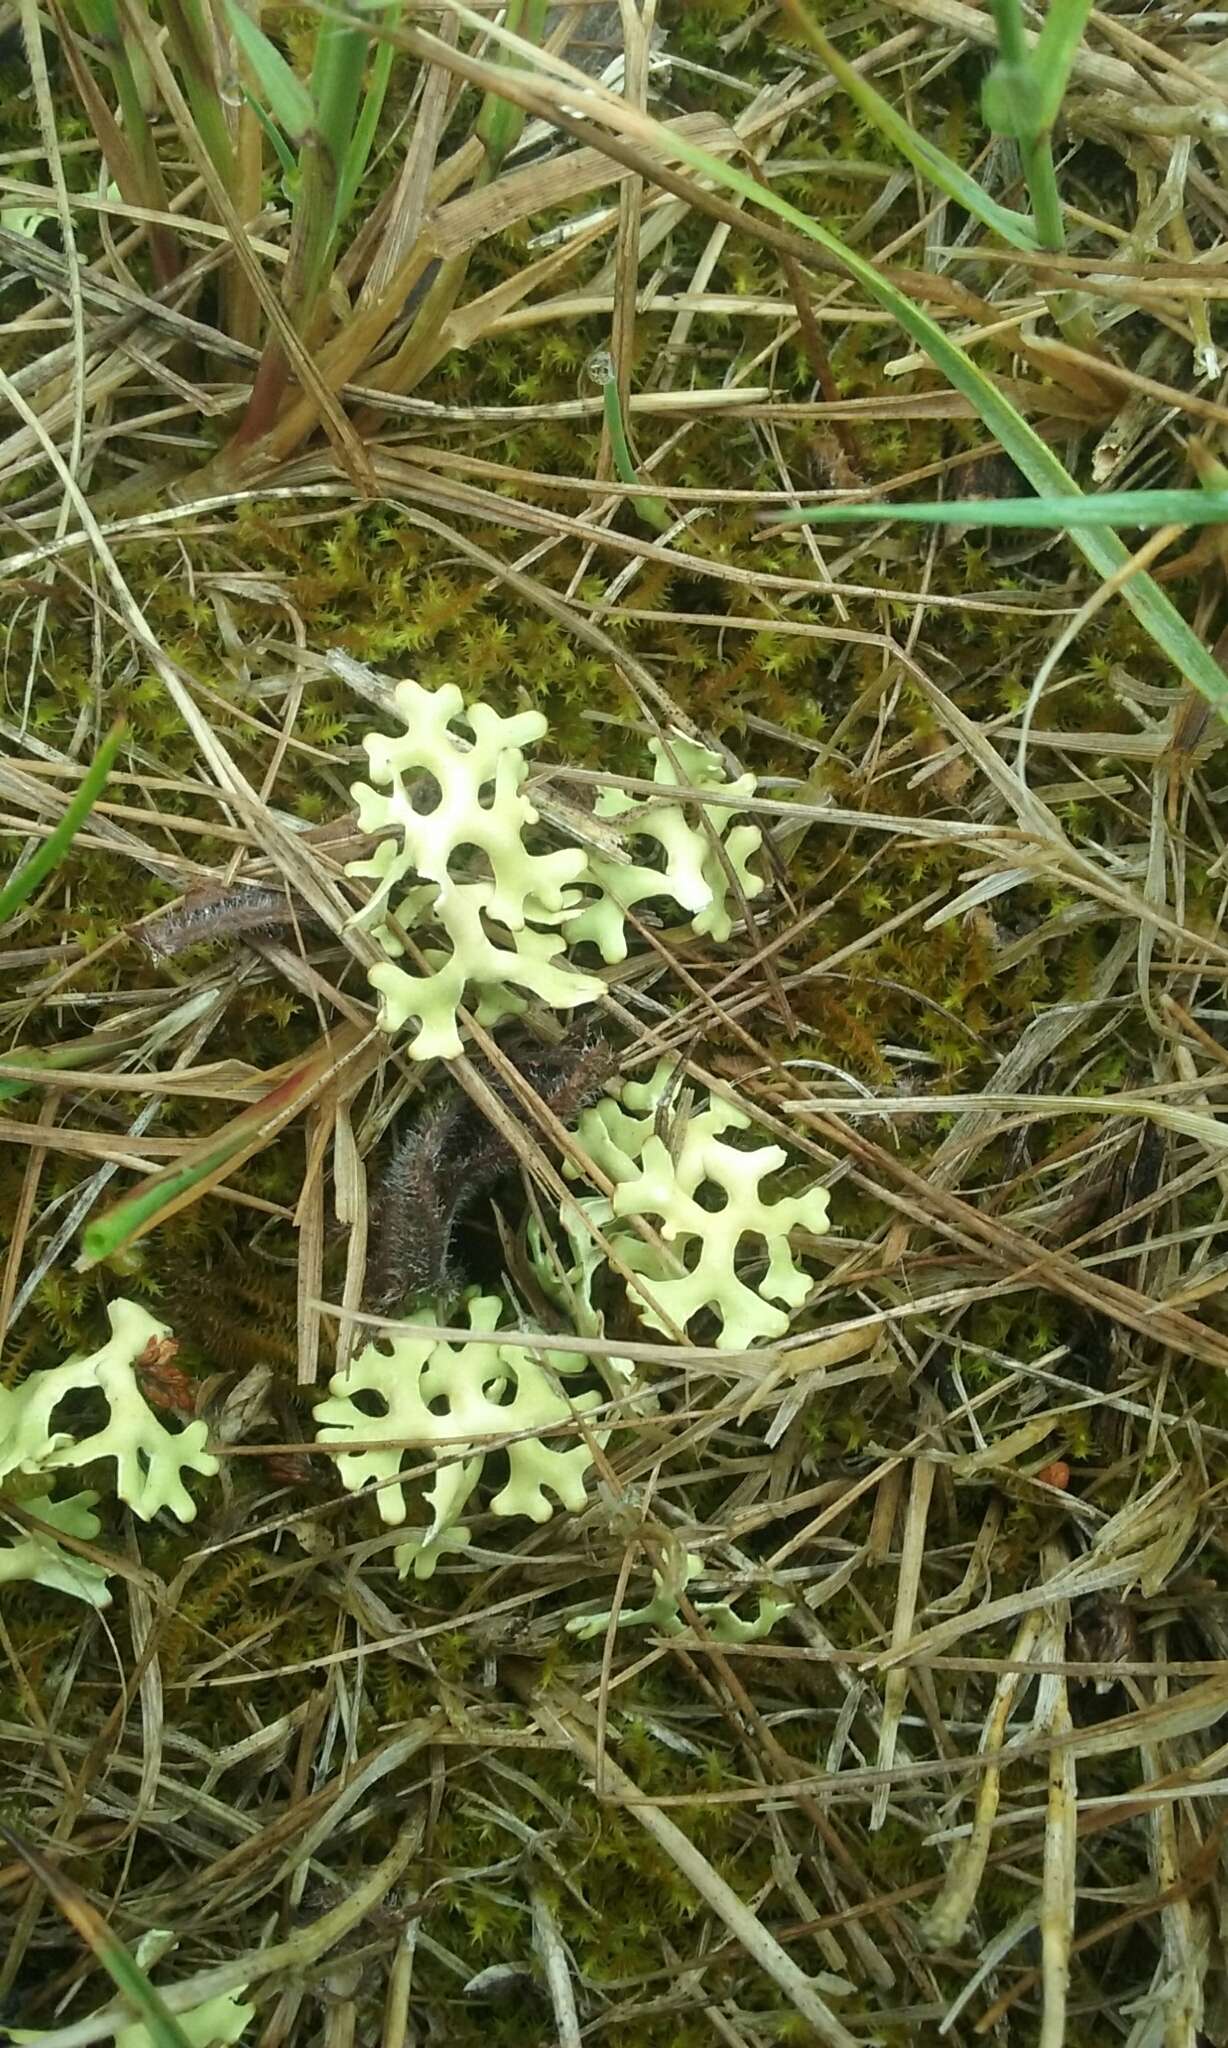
(450, 798)
(452, 804)
(150, 1459)
(44, 1562)
(455, 805)
(693, 874)
(494, 967)
(662, 1611)
(703, 1197)
(462, 1400)
(215, 2024)
(569, 1278)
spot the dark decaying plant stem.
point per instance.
(451, 1157)
(209, 914)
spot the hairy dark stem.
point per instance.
(452, 1156)
(253, 913)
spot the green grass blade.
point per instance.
(209, 1160)
(1014, 228)
(54, 1059)
(1054, 52)
(288, 98)
(57, 842)
(653, 511)
(192, 41)
(158, 1198)
(281, 148)
(99, 18)
(1160, 618)
(1146, 509)
(336, 85)
(125, 1973)
(1174, 635)
(500, 121)
(1023, 93)
(1021, 97)
(359, 152)
(1010, 96)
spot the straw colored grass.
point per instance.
(972, 1786)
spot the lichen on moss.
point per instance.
(292, 1626)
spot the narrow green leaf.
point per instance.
(336, 86)
(192, 42)
(931, 162)
(358, 154)
(1146, 509)
(653, 511)
(288, 98)
(1018, 438)
(57, 842)
(155, 1198)
(54, 1059)
(210, 1160)
(336, 83)
(281, 148)
(1054, 52)
(99, 18)
(128, 1978)
(1012, 41)
(500, 123)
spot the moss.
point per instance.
(883, 1005)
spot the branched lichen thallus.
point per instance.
(453, 1155)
